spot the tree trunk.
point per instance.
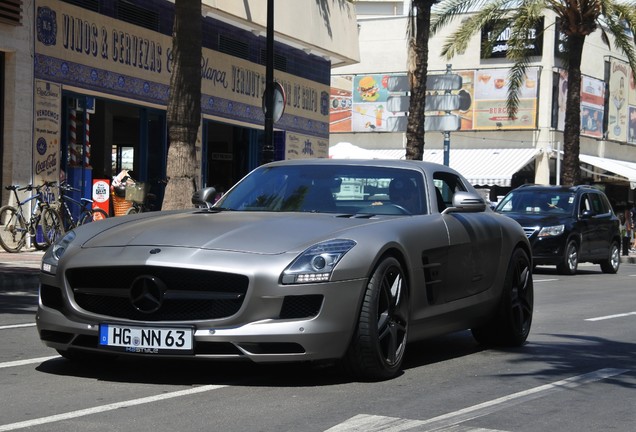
(418, 69)
(184, 105)
(571, 169)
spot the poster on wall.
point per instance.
(298, 146)
(491, 94)
(618, 107)
(340, 103)
(592, 106)
(631, 135)
(379, 102)
(370, 93)
(46, 137)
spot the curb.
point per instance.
(16, 280)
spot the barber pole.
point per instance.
(87, 142)
(73, 144)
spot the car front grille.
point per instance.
(147, 293)
(529, 231)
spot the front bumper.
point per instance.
(262, 329)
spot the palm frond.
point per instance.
(490, 14)
(618, 15)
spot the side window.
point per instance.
(584, 204)
(446, 185)
(598, 204)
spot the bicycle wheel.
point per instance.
(37, 232)
(12, 229)
(92, 215)
(133, 210)
(52, 226)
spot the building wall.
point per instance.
(16, 42)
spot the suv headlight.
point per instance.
(55, 252)
(551, 231)
(317, 263)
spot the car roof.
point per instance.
(556, 188)
(427, 167)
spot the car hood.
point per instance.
(528, 220)
(254, 232)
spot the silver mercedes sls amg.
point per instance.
(305, 260)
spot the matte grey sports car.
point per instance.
(300, 261)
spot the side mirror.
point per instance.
(204, 198)
(587, 214)
(466, 202)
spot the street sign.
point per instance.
(444, 82)
(398, 103)
(443, 102)
(448, 122)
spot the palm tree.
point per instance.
(418, 33)
(576, 19)
(184, 105)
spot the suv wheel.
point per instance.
(611, 264)
(570, 259)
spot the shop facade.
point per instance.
(100, 88)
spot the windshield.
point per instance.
(537, 202)
(328, 189)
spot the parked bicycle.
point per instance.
(86, 211)
(142, 200)
(42, 224)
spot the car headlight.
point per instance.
(55, 252)
(552, 231)
(317, 263)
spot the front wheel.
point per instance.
(39, 239)
(52, 225)
(570, 259)
(379, 342)
(613, 261)
(510, 323)
(12, 229)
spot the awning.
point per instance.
(618, 167)
(485, 167)
(345, 150)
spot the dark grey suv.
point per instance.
(566, 225)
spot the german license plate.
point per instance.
(146, 340)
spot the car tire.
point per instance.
(379, 342)
(613, 261)
(570, 261)
(511, 321)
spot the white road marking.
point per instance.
(544, 280)
(107, 407)
(390, 424)
(12, 326)
(622, 315)
(26, 362)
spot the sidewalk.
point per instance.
(20, 270)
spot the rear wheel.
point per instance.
(613, 261)
(510, 324)
(570, 259)
(12, 229)
(379, 342)
(92, 215)
(133, 210)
